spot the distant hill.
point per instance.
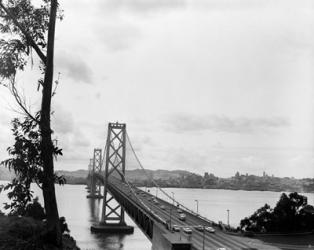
(140, 175)
(74, 177)
(79, 176)
(185, 179)
(133, 174)
(81, 173)
(136, 175)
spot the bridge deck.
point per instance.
(161, 213)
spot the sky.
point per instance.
(214, 86)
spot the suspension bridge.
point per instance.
(168, 225)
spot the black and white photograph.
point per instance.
(156, 125)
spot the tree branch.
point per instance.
(28, 37)
(20, 102)
(40, 186)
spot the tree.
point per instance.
(290, 214)
(27, 164)
(287, 210)
(210, 180)
(27, 27)
(260, 221)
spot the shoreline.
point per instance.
(209, 188)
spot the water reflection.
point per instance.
(109, 241)
(104, 241)
(94, 209)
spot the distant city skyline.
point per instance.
(205, 86)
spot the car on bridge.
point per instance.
(155, 201)
(199, 228)
(176, 228)
(162, 207)
(182, 217)
(179, 210)
(210, 229)
(187, 230)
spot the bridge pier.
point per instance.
(94, 196)
(120, 228)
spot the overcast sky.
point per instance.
(213, 86)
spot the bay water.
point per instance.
(81, 213)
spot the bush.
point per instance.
(35, 210)
(20, 233)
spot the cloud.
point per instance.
(186, 123)
(80, 140)
(182, 158)
(98, 95)
(72, 66)
(218, 145)
(118, 36)
(140, 142)
(62, 121)
(251, 161)
(71, 139)
(5, 120)
(301, 160)
(142, 6)
(70, 136)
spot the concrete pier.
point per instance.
(112, 228)
(94, 196)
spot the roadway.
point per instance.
(212, 241)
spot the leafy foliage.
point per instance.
(21, 233)
(16, 46)
(10, 57)
(289, 215)
(35, 210)
(26, 162)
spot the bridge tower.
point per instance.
(95, 184)
(112, 219)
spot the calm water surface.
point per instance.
(81, 212)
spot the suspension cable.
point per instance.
(149, 177)
(157, 186)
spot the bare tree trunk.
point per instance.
(54, 232)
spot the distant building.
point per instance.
(206, 176)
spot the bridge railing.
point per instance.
(195, 214)
(150, 213)
(186, 209)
